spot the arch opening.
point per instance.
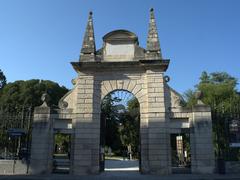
(120, 132)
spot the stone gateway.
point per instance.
(165, 124)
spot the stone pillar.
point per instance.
(42, 141)
(87, 126)
(158, 143)
(202, 152)
(143, 102)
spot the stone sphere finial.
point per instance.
(45, 99)
(74, 81)
(198, 95)
(151, 9)
(90, 12)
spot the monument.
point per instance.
(165, 124)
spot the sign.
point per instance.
(234, 133)
(16, 132)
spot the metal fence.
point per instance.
(15, 132)
(16, 127)
(226, 130)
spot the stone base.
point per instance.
(85, 170)
(203, 170)
(232, 167)
(13, 167)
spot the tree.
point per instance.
(129, 131)
(110, 123)
(218, 88)
(62, 141)
(28, 93)
(190, 98)
(204, 77)
(220, 93)
(3, 80)
(16, 100)
(120, 124)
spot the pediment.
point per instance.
(120, 35)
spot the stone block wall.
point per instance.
(155, 126)
(203, 160)
(86, 126)
(159, 140)
(232, 167)
(42, 141)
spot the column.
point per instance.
(201, 140)
(42, 141)
(158, 142)
(87, 126)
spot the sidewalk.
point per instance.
(118, 169)
(123, 175)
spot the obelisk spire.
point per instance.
(88, 47)
(153, 45)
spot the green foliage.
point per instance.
(109, 118)
(3, 80)
(62, 141)
(129, 131)
(121, 125)
(133, 104)
(204, 77)
(218, 88)
(190, 98)
(15, 101)
(219, 92)
(28, 93)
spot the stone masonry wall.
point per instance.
(87, 126)
(149, 88)
(158, 146)
(42, 141)
(203, 160)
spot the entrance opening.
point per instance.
(120, 126)
(61, 154)
(181, 157)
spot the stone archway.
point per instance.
(133, 86)
(122, 64)
(145, 80)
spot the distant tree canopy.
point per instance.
(129, 132)
(3, 80)
(28, 93)
(218, 88)
(121, 125)
(109, 116)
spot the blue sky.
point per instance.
(39, 39)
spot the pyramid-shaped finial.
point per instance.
(88, 46)
(153, 45)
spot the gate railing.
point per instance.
(226, 129)
(15, 132)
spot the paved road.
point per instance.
(124, 176)
(118, 170)
(121, 165)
